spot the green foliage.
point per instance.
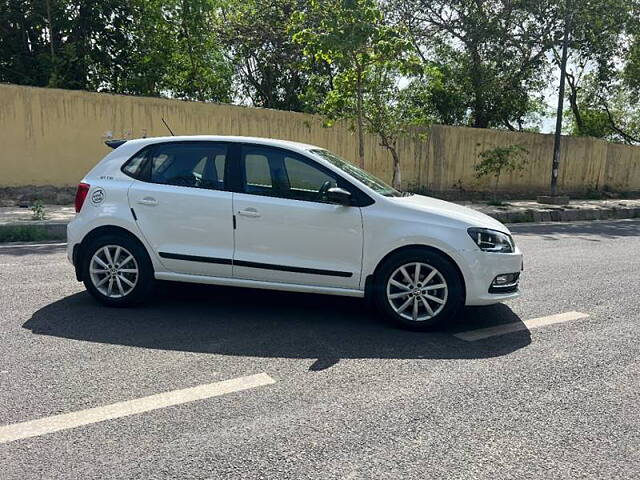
(611, 113)
(268, 63)
(25, 233)
(495, 161)
(595, 123)
(141, 47)
(38, 210)
(600, 68)
(379, 65)
(366, 56)
(484, 62)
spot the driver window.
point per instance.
(274, 172)
(189, 165)
(306, 182)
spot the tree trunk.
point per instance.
(79, 76)
(397, 180)
(193, 84)
(573, 102)
(50, 25)
(360, 115)
(480, 116)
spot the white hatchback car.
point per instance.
(261, 213)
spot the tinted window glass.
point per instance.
(275, 172)
(306, 182)
(258, 171)
(189, 165)
(134, 165)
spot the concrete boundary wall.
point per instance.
(52, 137)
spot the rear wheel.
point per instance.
(418, 289)
(117, 270)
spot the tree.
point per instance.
(385, 110)
(497, 160)
(143, 47)
(267, 62)
(484, 58)
(599, 32)
(25, 58)
(609, 112)
(352, 37)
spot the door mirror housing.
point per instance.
(339, 195)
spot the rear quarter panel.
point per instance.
(107, 201)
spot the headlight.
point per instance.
(491, 240)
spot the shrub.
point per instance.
(497, 160)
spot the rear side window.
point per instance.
(133, 167)
(194, 165)
(189, 165)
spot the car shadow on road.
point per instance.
(259, 323)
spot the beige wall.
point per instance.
(52, 137)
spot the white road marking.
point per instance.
(42, 426)
(473, 335)
(26, 245)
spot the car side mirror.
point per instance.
(339, 195)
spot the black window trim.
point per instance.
(358, 197)
(234, 171)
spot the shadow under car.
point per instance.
(260, 323)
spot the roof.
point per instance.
(219, 138)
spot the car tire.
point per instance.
(433, 299)
(117, 271)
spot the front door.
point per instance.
(182, 207)
(286, 231)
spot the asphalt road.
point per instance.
(353, 397)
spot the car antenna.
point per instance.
(168, 128)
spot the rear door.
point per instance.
(183, 208)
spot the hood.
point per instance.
(471, 217)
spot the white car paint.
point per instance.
(280, 231)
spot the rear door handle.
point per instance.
(249, 212)
(148, 201)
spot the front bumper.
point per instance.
(481, 268)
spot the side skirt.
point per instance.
(237, 282)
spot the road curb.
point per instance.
(565, 215)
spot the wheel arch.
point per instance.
(370, 280)
(78, 251)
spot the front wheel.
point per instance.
(418, 289)
(117, 271)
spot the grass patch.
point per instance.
(26, 233)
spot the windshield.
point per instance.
(374, 183)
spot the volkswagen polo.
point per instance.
(272, 214)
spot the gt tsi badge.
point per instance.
(97, 197)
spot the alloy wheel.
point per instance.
(114, 271)
(417, 291)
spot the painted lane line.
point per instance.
(473, 335)
(42, 426)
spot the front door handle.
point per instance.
(148, 201)
(249, 212)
